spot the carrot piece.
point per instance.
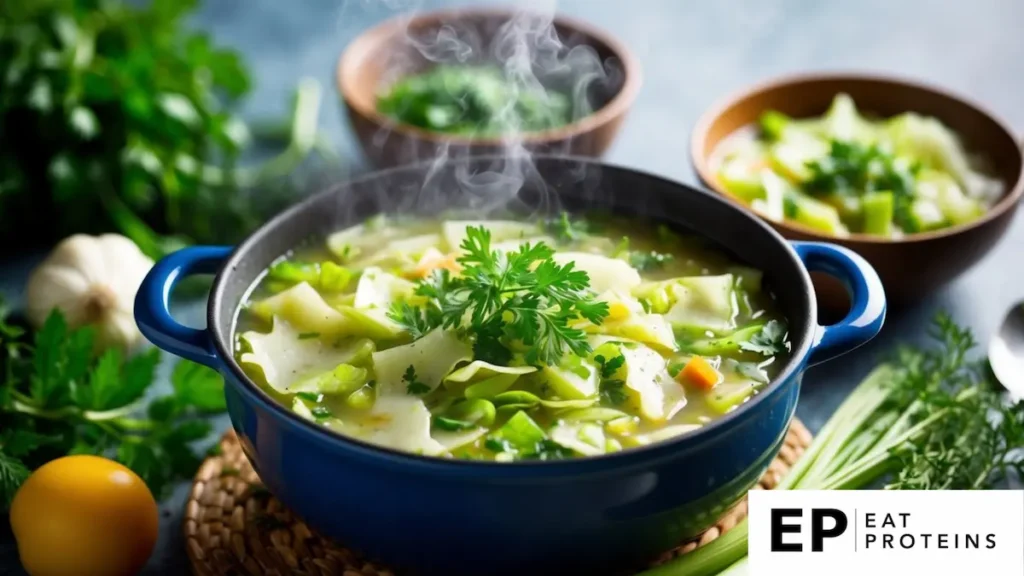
(434, 260)
(700, 374)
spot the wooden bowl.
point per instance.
(912, 267)
(389, 51)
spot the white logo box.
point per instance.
(905, 533)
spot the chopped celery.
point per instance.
(818, 215)
(878, 209)
(773, 124)
(593, 414)
(333, 278)
(515, 399)
(343, 379)
(729, 344)
(521, 432)
(567, 404)
(326, 276)
(728, 395)
(362, 399)
(476, 412)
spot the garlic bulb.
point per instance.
(92, 280)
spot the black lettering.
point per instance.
(888, 522)
(818, 531)
(943, 541)
(991, 539)
(907, 541)
(868, 540)
(779, 528)
(886, 540)
(905, 516)
(869, 520)
(925, 537)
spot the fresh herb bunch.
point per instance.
(474, 100)
(853, 169)
(931, 419)
(522, 296)
(116, 117)
(58, 398)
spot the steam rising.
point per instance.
(533, 57)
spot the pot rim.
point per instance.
(638, 456)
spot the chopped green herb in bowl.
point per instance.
(844, 173)
(474, 100)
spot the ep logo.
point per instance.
(788, 526)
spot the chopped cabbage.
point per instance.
(432, 357)
(286, 359)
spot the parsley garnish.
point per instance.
(309, 335)
(310, 396)
(648, 260)
(57, 398)
(320, 412)
(523, 296)
(769, 341)
(413, 386)
(611, 389)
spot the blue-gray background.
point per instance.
(692, 52)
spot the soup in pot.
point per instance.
(509, 340)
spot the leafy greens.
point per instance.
(58, 398)
(116, 117)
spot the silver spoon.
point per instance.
(1006, 351)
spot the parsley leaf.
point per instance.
(12, 474)
(522, 295)
(609, 367)
(413, 320)
(612, 392)
(769, 341)
(413, 386)
(198, 386)
(58, 398)
(611, 389)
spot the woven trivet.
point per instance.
(233, 526)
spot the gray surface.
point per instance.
(692, 53)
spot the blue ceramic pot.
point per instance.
(433, 516)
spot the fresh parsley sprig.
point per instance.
(771, 340)
(57, 398)
(521, 296)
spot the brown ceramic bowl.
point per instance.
(914, 266)
(389, 51)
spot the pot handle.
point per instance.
(867, 311)
(152, 303)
